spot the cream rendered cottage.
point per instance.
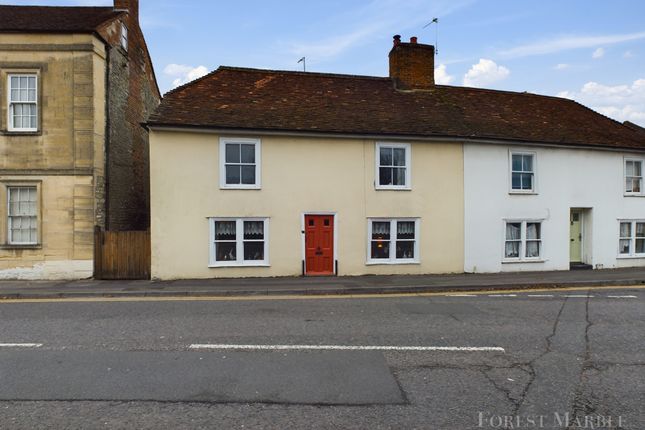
(275, 173)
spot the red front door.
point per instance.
(319, 245)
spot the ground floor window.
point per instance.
(632, 238)
(523, 240)
(393, 241)
(22, 215)
(239, 241)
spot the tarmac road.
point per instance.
(494, 360)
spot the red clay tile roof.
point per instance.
(54, 19)
(267, 100)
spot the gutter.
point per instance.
(382, 137)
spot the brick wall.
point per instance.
(412, 65)
(132, 96)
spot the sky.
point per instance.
(592, 51)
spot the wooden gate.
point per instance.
(121, 254)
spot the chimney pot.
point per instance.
(397, 39)
(413, 39)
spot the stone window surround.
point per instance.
(7, 69)
(4, 234)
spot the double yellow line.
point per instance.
(312, 296)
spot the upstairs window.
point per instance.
(393, 166)
(124, 37)
(633, 177)
(22, 215)
(522, 172)
(240, 163)
(23, 102)
(523, 241)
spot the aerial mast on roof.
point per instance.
(303, 60)
(436, 34)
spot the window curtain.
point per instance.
(405, 229)
(625, 229)
(533, 231)
(253, 229)
(513, 231)
(381, 228)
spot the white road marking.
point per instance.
(20, 345)
(623, 297)
(540, 295)
(581, 296)
(502, 295)
(463, 295)
(350, 348)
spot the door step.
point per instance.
(580, 266)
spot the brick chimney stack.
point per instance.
(412, 65)
(132, 6)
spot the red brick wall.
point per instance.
(132, 95)
(412, 65)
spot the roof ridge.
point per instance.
(33, 6)
(302, 73)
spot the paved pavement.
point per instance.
(461, 361)
(321, 286)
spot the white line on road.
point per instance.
(351, 348)
(580, 296)
(623, 297)
(540, 295)
(20, 345)
(502, 295)
(462, 295)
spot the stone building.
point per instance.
(75, 85)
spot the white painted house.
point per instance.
(538, 207)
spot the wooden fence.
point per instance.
(121, 254)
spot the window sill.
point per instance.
(237, 265)
(26, 246)
(240, 187)
(537, 260)
(386, 188)
(633, 195)
(390, 262)
(522, 193)
(21, 133)
(630, 257)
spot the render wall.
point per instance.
(300, 175)
(566, 178)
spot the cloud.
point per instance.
(621, 102)
(358, 26)
(598, 53)
(485, 72)
(628, 54)
(441, 76)
(561, 66)
(564, 43)
(183, 74)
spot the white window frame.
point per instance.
(632, 239)
(393, 239)
(222, 163)
(533, 190)
(408, 166)
(522, 258)
(10, 240)
(642, 163)
(10, 103)
(124, 37)
(239, 241)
